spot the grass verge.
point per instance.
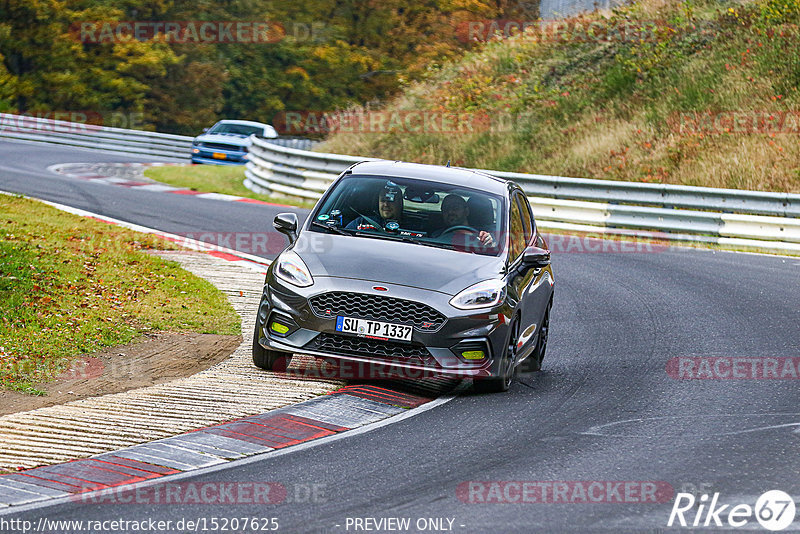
(72, 285)
(692, 92)
(225, 179)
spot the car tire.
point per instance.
(534, 362)
(270, 360)
(501, 383)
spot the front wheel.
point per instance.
(534, 362)
(270, 360)
(501, 382)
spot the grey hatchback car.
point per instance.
(423, 268)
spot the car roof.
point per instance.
(438, 173)
(243, 123)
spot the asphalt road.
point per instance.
(604, 409)
(23, 169)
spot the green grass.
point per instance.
(72, 285)
(607, 108)
(225, 179)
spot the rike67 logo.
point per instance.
(774, 510)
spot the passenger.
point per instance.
(455, 212)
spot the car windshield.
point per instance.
(236, 129)
(425, 212)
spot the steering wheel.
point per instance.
(457, 228)
(372, 222)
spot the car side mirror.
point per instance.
(536, 257)
(286, 223)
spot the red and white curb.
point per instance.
(355, 407)
(350, 408)
(131, 176)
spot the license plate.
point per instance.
(219, 155)
(373, 329)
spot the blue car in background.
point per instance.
(226, 142)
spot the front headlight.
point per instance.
(291, 269)
(481, 295)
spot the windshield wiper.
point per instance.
(390, 237)
(334, 229)
(406, 239)
(436, 244)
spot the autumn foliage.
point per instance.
(329, 54)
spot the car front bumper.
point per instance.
(429, 352)
(206, 155)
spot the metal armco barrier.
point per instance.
(74, 134)
(120, 140)
(746, 219)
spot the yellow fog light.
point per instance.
(473, 355)
(278, 327)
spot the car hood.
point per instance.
(392, 262)
(229, 139)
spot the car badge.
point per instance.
(327, 312)
(392, 226)
(379, 288)
(426, 324)
(323, 217)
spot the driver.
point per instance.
(390, 208)
(455, 212)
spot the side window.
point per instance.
(517, 231)
(527, 222)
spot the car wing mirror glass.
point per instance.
(536, 257)
(286, 223)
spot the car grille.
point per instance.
(370, 348)
(377, 308)
(222, 146)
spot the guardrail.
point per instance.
(119, 140)
(745, 219)
(75, 134)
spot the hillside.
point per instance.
(692, 92)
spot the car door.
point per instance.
(520, 277)
(538, 292)
(534, 284)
